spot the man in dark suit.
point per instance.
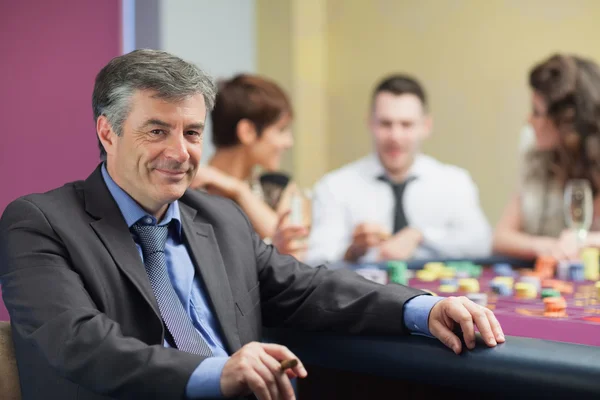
(127, 285)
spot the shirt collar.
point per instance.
(131, 210)
(377, 170)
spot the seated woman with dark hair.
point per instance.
(251, 129)
(566, 121)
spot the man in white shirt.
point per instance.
(397, 203)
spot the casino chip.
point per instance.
(555, 307)
(550, 293)
(501, 288)
(448, 289)
(503, 270)
(534, 280)
(469, 285)
(562, 271)
(525, 290)
(426, 275)
(577, 272)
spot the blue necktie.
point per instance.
(153, 239)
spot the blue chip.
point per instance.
(501, 288)
(576, 272)
(503, 269)
(448, 281)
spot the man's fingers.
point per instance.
(368, 240)
(446, 336)
(258, 386)
(369, 229)
(283, 381)
(496, 328)
(457, 311)
(481, 320)
(446, 313)
(269, 379)
(281, 353)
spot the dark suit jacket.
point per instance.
(86, 324)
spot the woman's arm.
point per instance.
(511, 241)
(262, 217)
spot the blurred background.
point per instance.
(472, 56)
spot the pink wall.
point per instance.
(50, 53)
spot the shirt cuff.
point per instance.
(416, 313)
(205, 381)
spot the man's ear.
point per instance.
(427, 126)
(106, 135)
(246, 132)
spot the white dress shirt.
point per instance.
(442, 202)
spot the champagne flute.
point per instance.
(579, 207)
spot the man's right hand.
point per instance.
(255, 368)
(365, 236)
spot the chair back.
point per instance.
(10, 388)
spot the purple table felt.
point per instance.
(524, 317)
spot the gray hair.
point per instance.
(169, 76)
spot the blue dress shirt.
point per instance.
(205, 381)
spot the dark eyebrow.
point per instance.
(156, 122)
(198, 126)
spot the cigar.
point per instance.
(286, 364)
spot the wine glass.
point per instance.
(300, 207)
(579, 207)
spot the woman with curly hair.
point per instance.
(566, 120)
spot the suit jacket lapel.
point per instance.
(113, 231)
(204, 251)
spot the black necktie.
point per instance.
(400, 221)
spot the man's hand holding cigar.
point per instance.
(264, 369)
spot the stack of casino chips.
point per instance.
(558, 285)
(591, 261)
(468, 285)
(426, 275)
(555, 306)
(525, 290)
(562, 271)
(475, 270)
(502, 285)
(448, 285)
(397, 272)
(577, 272)
(430, 272)
(503, 270)
(534, 280)
(434, 270)
(466, 269)
(447, 272)
(550, 292)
